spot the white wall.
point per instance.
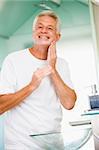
(80, 55)
(3, 49)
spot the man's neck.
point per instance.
(39, 52)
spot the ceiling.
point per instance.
(15, 13)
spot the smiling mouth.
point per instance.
(44, 37)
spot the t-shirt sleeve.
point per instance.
(7, 77)
(64, 72)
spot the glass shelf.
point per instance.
(68, 140)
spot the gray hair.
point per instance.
(50, 14)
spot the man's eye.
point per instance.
(39, 27)
(50, 28)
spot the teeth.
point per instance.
(43, 37)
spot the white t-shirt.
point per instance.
(41, 111)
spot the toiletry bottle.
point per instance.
(94, 98)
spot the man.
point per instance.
(33, 85)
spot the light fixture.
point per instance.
(96, 2)
(58, 2)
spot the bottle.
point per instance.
(94, 98)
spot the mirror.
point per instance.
(75, 46)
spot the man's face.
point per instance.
(45, 31)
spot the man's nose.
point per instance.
(44, 30)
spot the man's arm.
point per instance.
(66, 95)
(8, 101)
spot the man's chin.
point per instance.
(44, 43)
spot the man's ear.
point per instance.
(58, 36)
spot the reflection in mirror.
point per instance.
(76, 44)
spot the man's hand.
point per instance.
(38, 75)
(51, 58)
